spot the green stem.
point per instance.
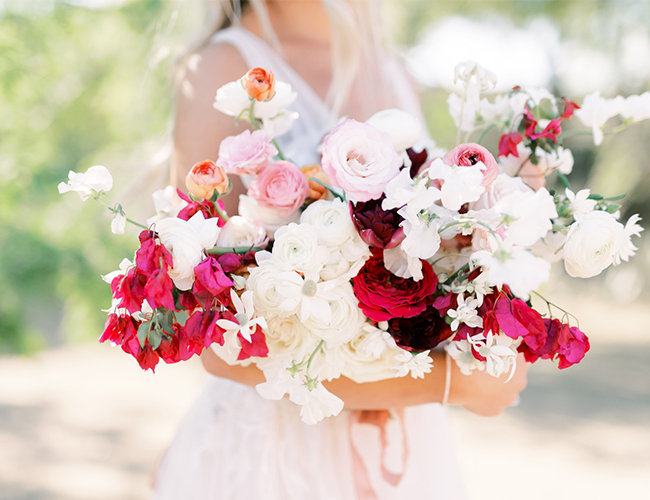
(313, 354)
(549, 304)
(223, 215)
(342, 198)
(238, 250)
(116, 211)
(485, 131)
(280, 155)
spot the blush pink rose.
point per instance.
(466, 155)
(246, 153)
(360, 159)
(281, 186)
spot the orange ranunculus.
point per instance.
(259, 84)
(316, 191)
(205, 178)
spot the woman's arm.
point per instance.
(479, 392)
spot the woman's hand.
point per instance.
(484, 394)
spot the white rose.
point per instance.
(346, 319)
(592, 243)
(289, 336)
(251, 210)
(361, 366)
(241, 232)
(94, 180)
(186, 241)
(296, 248)
(403, 128)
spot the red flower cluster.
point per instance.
(162, 334)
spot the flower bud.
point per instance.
(205, 178)
(259, 84)
(316, 191)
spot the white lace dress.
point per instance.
(235, 445)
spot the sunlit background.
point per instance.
(86, 82)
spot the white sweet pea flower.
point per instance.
(550, 247)
(636, 107)
(402, 191)
(187, 240)
(464, 113)
(118, 224)
(95, 180)
(416, 364)
(247, 323)
(516, 267)
(280, 123)
(404, 129)
(232, 99)
(465, 313)
(167, 203)
(460, 184)
(596, 111)
(124, 268)
(527, 215)
(305, 296)
(422, 238)
(401, 264)
(580, 203)
(464, 72)
(316, 404)
(279, 380)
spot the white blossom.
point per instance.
(95, 180)
(167, 203)
(596, 111)
(465, 313)
(404, 129)
(316, 404)
(580, 204)
(247, 323)
(460, 184)
(118, 224)
(415, 364)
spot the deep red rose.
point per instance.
(377, 227)
(420, 333)
(383, 296)
(508, 144)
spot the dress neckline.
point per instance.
(297, 81)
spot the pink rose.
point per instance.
(246, 153)
(281, 186)
(360, 159)
(466, 155)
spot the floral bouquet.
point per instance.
(361, 265)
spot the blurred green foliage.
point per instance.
(77, 88)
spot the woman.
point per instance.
(234, 444)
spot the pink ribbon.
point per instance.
(378, 418)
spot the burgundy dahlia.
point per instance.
(383, 296)
(420, 333)
(377, 227)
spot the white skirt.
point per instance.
(235, 445)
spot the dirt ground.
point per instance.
(84, 422)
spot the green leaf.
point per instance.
(596, 197)
(613, 208)
(614, 198)
(155, 336)
(181, 317)
(143, 331)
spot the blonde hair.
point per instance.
(359, 42)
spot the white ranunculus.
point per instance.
(296, 248)
(232, 99)
(596, 111)
(361, 366)
(251, 210)
(332, 220)
(527, 215)
(516, 267)
(241, 232)
(94, 180)
(460, 184)
(261, 282)
(403, 128)
(186, 240)
(591, 244)
(166, 203)
(346, 318)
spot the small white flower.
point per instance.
(464, 72)
(247, 323)
(96, 179)
(403, 191)
(499, 351)
(416, 364)
(316, 404)
(460, 184)
(465, 313)
(637, 107)
(124, 268)
(461, 352)
(167, 203)
(305, 295)
(296, 248)
(596, 111)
